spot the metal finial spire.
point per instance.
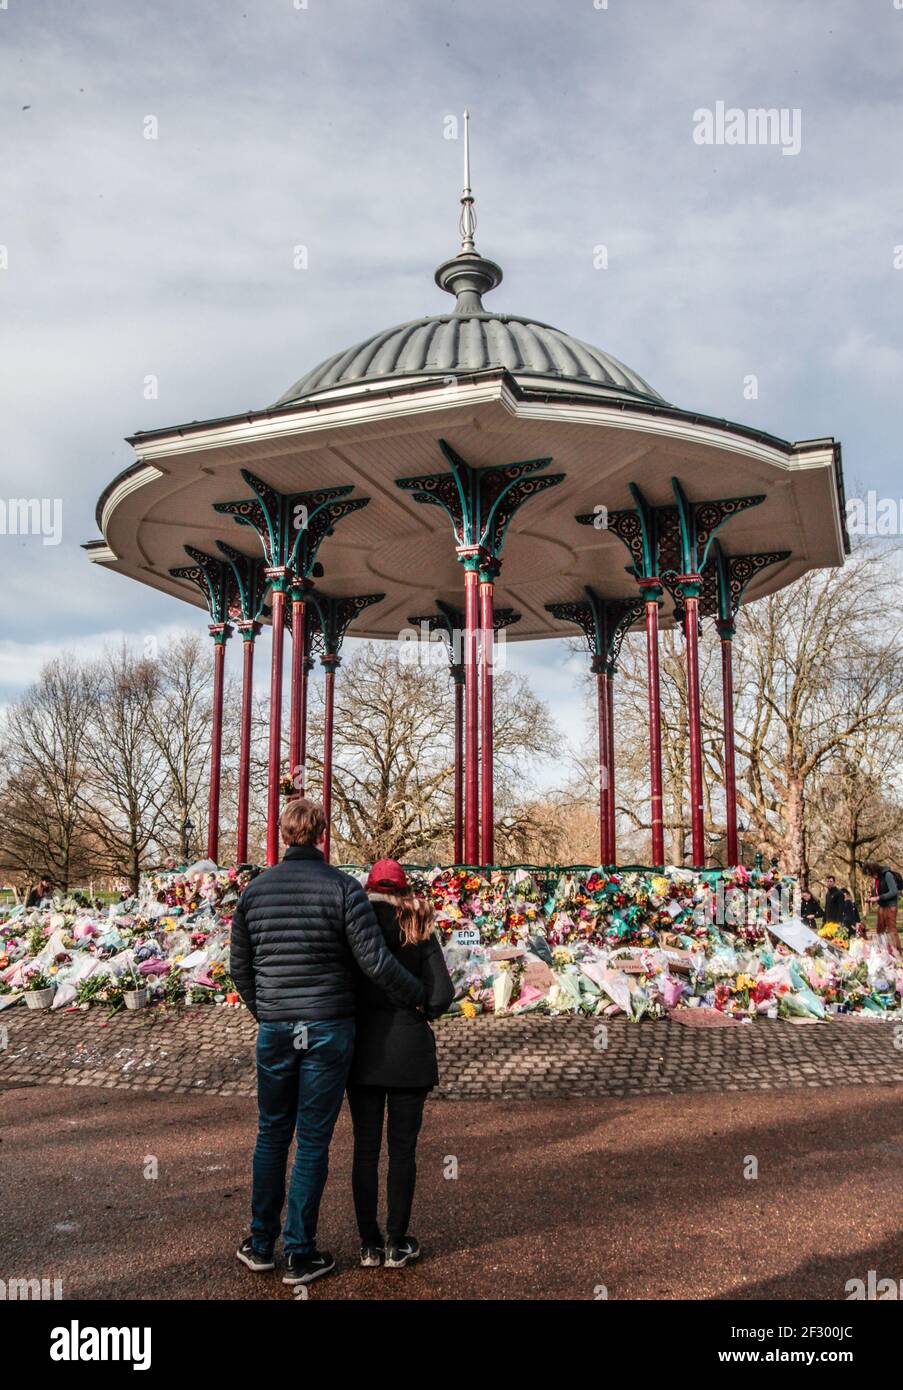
(468, 276)
(468, 218)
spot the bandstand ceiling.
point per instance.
(369, 436)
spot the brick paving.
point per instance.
(211, 1050)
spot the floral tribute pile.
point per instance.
(643, 944)
(171, 941)
(634, 942)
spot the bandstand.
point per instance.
(467, 471)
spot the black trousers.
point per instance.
(369, 1105)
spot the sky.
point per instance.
(282, 123)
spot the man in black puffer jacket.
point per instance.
(297, 932)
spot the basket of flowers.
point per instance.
(39, 989)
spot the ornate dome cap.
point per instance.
(470, 339)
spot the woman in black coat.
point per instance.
(394, 1068)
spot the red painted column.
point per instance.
(458, 678)
(694, 720)
(612, 832)
(726, 633)
(471, 718)
(487, 656)
(299, 695)
(275, 750)
(330, 665)
(220, 633)
(604, 771)
(302, 746)
(655, 724)
(249, 634)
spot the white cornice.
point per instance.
(122, 489)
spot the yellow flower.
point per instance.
(468, 1009)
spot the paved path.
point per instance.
(211, 1050)
(645, 1195)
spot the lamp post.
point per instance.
(187, 831)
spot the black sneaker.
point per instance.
(253, 1258)
(401, 1252)
(303, 1269)
(372, 1256)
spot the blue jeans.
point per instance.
(301, 1075)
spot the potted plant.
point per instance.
(39, 990)
(134, 989)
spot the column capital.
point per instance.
(688, 585)
(300, 589)
(650, 587)
(279, 577)
(248, 631)
(220, 632)
(726, 629)
(330, 661)
(472, 557)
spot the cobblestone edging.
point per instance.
(211, 1050)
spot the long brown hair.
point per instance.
(415, 915)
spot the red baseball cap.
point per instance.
(389, 874)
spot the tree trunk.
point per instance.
(795, 843)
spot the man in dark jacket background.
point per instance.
(833, 900)
(297, 932)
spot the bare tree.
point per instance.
(818, 668)
(393, 774)
(123, 794)
(179, 718)
(44, 743)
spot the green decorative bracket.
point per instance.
(291, 525)
(216, 582)
(334, 617)
(725, 581)
(604, 622)
(668, 545)
(249, 585)
(480, 502)
(700, 520)
(640, 528)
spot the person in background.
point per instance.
(849, 912)
(42, 893)
(810, 909)
(833, 900)
(885, 895)
(298, 931)
(394, 1068)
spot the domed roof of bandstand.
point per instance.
(498, 387)
(472, 340)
